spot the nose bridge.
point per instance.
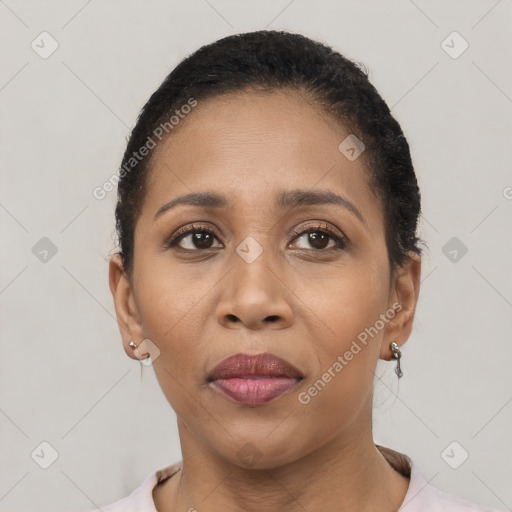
(253, 268)
(254, 280)
(253, 295)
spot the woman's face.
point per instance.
(289, 259)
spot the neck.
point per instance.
(344, 475)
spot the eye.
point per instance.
(320, 237)
(194, 238)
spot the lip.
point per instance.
(254, 379)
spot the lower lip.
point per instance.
(254, 391)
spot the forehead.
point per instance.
(247, 145)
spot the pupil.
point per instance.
(318, 240)
(202, 240)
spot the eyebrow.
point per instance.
(285, 200)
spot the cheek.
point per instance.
(346, 303)
(171, 295)
(346, 308)
(173, 311)
(342, 383)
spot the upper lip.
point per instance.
(242, 365)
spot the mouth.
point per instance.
(254, 379)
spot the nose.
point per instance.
(254, 297)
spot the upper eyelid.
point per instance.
(320, 226)
(189, 229)
(339, 237)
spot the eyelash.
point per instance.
(341, 241)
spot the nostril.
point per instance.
(272, 318)
(232, 318)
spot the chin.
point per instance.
(262, 451)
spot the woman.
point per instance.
(267, 214)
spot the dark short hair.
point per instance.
(277, 60)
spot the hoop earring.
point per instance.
(134, 346)
(397, 354)
(137, 348)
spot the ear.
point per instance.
(128, 317)
(403, 297)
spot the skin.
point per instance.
(302, 303)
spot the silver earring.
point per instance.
(134, 346)
(136, 350)
(397, 354)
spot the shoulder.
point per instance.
(423, 497)
(141, 499)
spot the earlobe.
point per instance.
(404, 292)
(128, 318)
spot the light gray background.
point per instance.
(64, 376)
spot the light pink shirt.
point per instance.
(420, 497)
